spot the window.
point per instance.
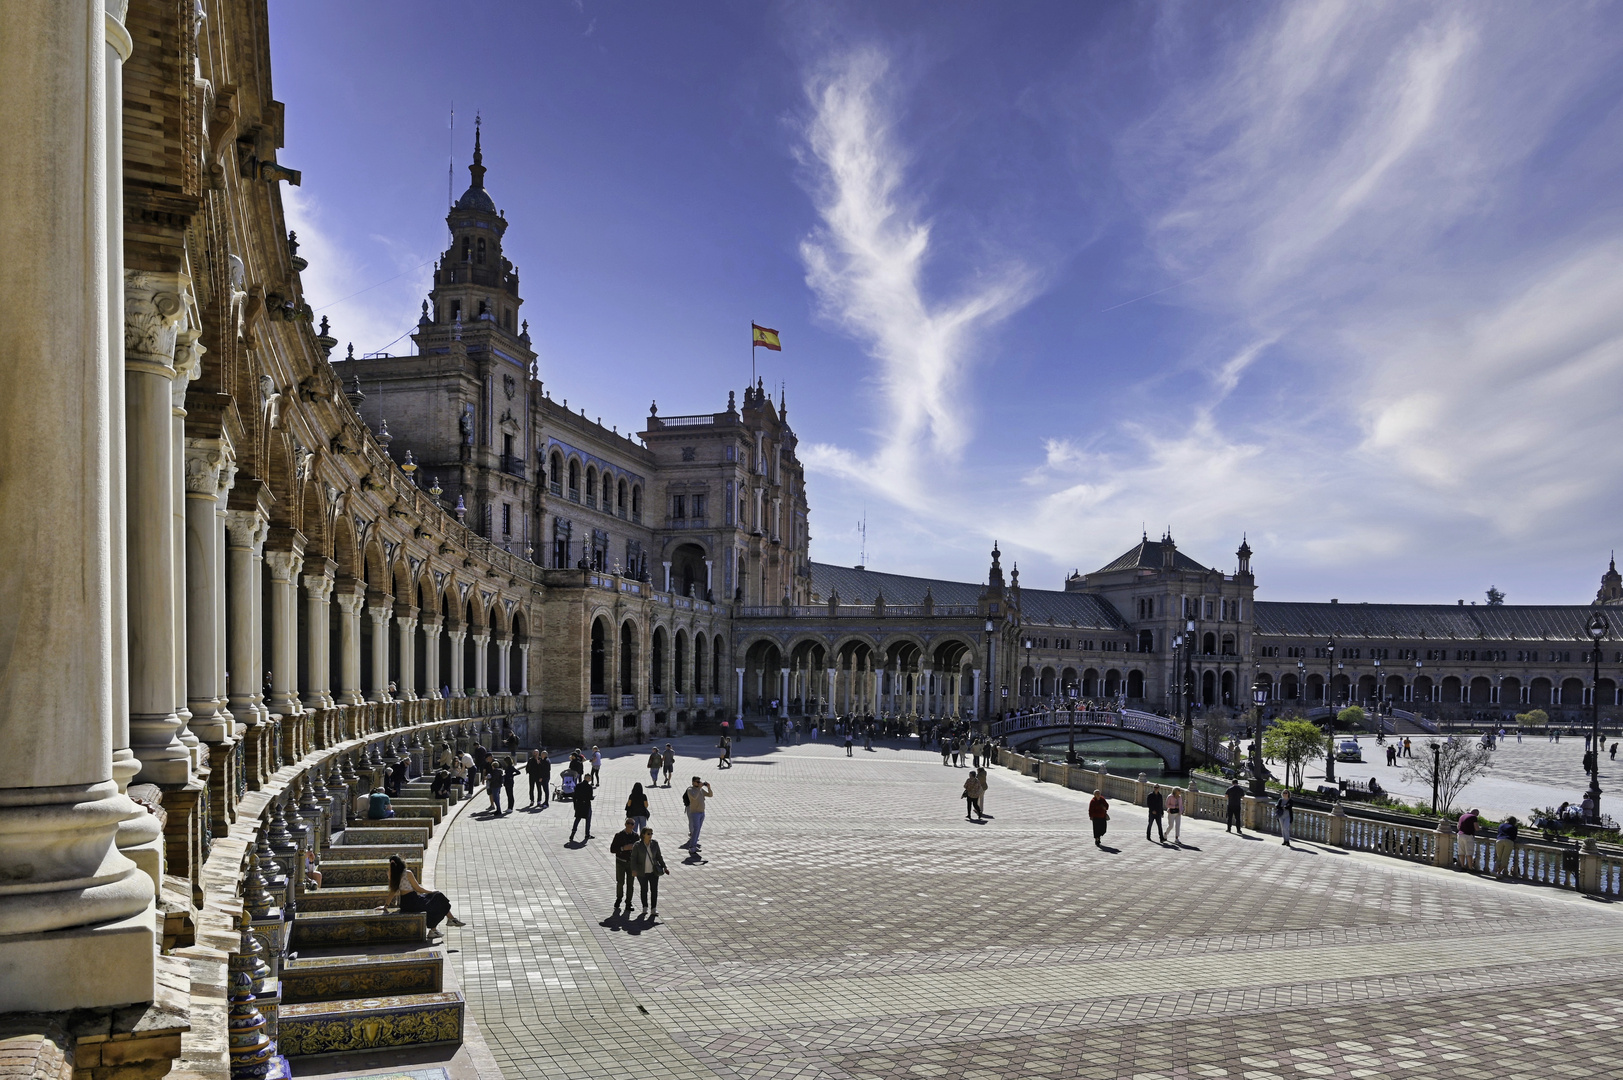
(678, 507)
(636, 503)
(467, 246)
(1560, 658)
(698, 508)
(507, 519)
(732, 452)
(1269, 650)
(1464, 655)
(557, 475)
(731, 518)
(1523, 656)
(574, 481)
(1436, 654)
(1210, 607)
(1295, 652)
(591, 487)
(560, 543)
(1321, 653)
(456, 310)
(1408, 654)
(481, 259)
(1380, 654)
(620, 498)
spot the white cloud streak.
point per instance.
(866, 263)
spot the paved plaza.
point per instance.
(1533, 772)
(847, 923)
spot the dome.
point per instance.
(477, 198)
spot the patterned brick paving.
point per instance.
(847, 924)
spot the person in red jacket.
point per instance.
(1099, 814)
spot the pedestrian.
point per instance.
(849, 741)
(1175, 816)
(1235, 795)
(972, 796)
(655, 760)
(669, 762)
(724, 759)
(1504, 847)
(1155, 802)
(583, 807)
(1614, 749)
(620, 845)
(984, 786)
(509, 776)
(649, 865)
(538, 785)
(637, 807)
(1408, 748)
(1465, 839)
(1283, 812)
(694, 800)
(470, 773)
(1099, 814)
(597, 766)
(405, 888)
(946, 752)
(493, 783)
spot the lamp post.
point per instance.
(1188, 675)
(1330, 719)
(1301, 680)
(1436, 768)
(1070, 753)
(1413, 694)
(1598, 629)
(1379, 695)
(1177, 673)
(1031, 691)
(1259, 786)
(991, 669)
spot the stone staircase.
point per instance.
(357, 978)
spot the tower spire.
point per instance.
(477, 169)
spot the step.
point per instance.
(368, 853)
(334, 978)
(368, 898)
(342, 873)
(399, 821)
(396, 837)
(415, 808)
(331, 1027)
(358, 928)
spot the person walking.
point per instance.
(849, 741)
(597, 766)
(493, 783)
(1465, 839)
(972, 796)
(655, 760)
(637, 807)
(1235, 795)
(694, 799)
(509, 776)
(1155, 803)
(1504, 846)
(669, 762)
(1099, 814)
(1282, 811)
(649, 865)
(412, 897)
(985, 785)
(532, 772)
(1175, 816)
(620, 845)
(584, 794)
(946, 751)
(724, 759)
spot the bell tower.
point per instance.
(473, 283)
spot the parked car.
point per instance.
(1348, 751)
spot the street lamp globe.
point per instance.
(1259, 786)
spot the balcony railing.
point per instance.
(600, 701)
(513, 465)
(628, 701)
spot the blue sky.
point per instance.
(1346, 278)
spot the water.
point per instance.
(1122, 758)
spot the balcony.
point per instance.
(556, 488)
(628, 701)
(600, 701)
(513, 465)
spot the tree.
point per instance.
(1456, 764)
(1495, 597)
(1351, 717)
(1536, 718)
(1293, 741)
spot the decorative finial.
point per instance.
(436, 490)
(732, 401)
(461, 510)
(292, 243)
(350, 355)
(477, 169)
(653, 407)
(325, 327)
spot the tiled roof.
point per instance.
(1506, 622)
(1045, 607)
(1148, 554)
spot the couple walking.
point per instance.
(1165, 810)
(974, 795)
(637, 862)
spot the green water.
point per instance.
(1122, 758)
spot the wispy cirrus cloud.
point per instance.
(866, 265)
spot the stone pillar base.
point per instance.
(81, 967)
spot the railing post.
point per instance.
(1445, 843)
(1336, 832)
(1589, 867)
(1138, 791)
(1252, 809)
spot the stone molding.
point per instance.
(284, 566)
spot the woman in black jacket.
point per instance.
(637, 807)
(649, 865)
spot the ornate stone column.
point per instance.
(458, 682)
(828, 702)
(783, 691)
(76, 915)
(382, 614)
(154, 310)
(504, 649)
(524, 668)
(318, 587)
(406, 622)
(210, 467)
(245, 539)
(284, 568)
(431, 657)
(975, 702)
(481, 664)
(350, 600)
(188, 364)
(739, 700)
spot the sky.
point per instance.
(1345, 279)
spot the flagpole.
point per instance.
(752, 356)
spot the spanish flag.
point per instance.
(764, 338)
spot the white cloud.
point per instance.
(866, 263)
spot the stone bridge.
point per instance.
(1158, 734)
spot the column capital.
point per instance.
(482, 639)
(349, 602)
(284, 565)
(319, 586)
(245, 528)
(155, 306)
(457, 634)
(381, 613)
(432, 623)
(210, 466)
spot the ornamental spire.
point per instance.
(477, 169)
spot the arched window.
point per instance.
(574, 480)
(591, 485)
(481, 258)
(620, 499)
(1208, 645)
(556, 474)
(636, 503)
(467, 246)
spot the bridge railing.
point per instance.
(1125, 719)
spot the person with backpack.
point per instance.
(637, 807)
(1099, 815)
